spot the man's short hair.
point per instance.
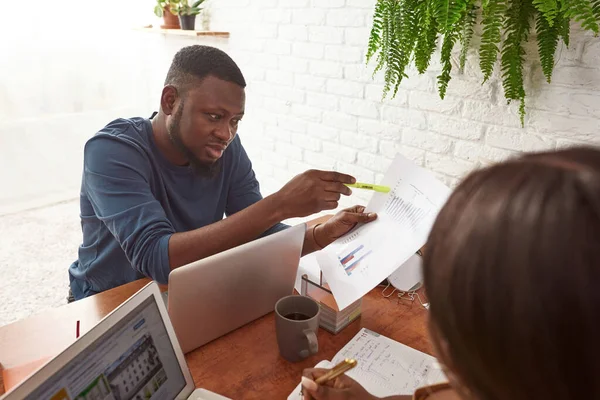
(197, 62)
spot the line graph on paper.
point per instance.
(408, 206)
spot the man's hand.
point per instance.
(311, 192)
(340, 224)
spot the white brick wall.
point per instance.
(349, 128)
(311, 100)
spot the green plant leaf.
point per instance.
(596, 8)
(427, 36)
(448, 12)
(376, 29)
(392, 47)
(522, 111)
(466, 34)
(548, 9)
(516, 25)
(581, 11)
(407, 31)
(158, 11)
(493, 16)
(446, 58)
(547, 38)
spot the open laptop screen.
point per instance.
(132, 360)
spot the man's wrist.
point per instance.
(319, 236)
(276, 206)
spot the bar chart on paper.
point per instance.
(351, 258)
(408, 206)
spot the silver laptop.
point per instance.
(213, 296)
(131, 354)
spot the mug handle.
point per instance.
(313, 344)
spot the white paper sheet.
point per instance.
(385, 367)
(357, 262)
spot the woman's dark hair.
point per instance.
(512, 272)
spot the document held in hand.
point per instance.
(360, 260)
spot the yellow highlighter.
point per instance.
(369, 186)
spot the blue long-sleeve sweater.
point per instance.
(133, 199)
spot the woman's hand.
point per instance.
(341, 388)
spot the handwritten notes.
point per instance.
(385, 367)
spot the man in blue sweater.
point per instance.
(154, 191)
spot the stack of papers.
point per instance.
(385, 367)
(331, 318)
(334, 320)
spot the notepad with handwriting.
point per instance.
(385, 367)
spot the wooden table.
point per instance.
(244, 364)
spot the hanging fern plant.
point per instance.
(406, 31)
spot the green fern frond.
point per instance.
(451, 16)
(564, 30)
(466, 34)
(427, 37)
(407, 34)
(388, 43)
(379, 63)
(398, 36)
(448, 12)
(408, 28)
(522, 111)
(376, 29)
(387, 35)
(547, 37)
(548, 9)
(516, 25)
(581, 11)
(493, 15)
(444, 78)
(596, 8)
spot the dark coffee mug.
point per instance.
(296, 324)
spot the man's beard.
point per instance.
(202, 169)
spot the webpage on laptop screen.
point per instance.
(134, 360)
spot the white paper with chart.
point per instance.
(357, 262)
(385, 367)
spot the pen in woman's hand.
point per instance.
(336, 371)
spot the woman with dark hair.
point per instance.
(512, 273)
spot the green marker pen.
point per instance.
(369, 186)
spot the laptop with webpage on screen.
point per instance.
(131, 354)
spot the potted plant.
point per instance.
(165, 9)
(187, 13)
